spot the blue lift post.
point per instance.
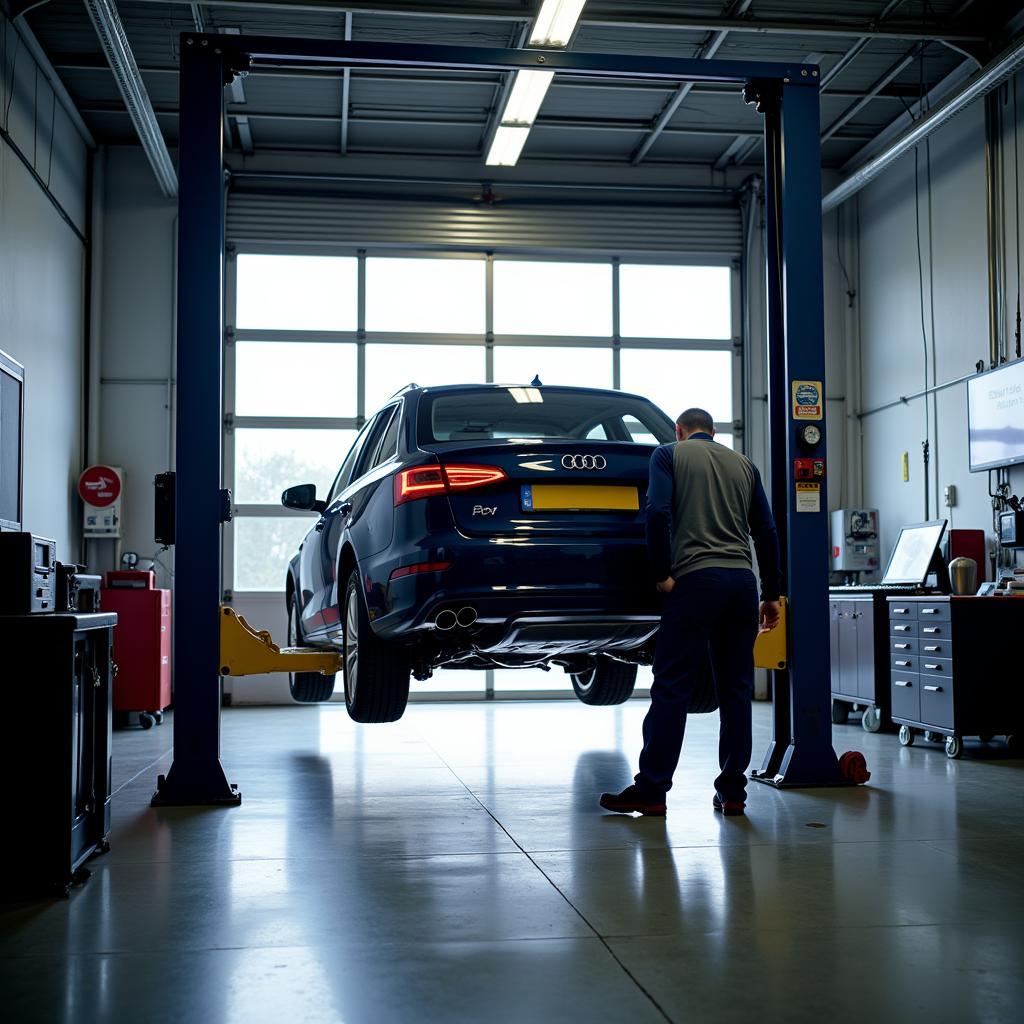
(802, 753)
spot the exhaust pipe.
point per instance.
(466, 617)
(446, 620)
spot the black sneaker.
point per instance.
(728, 807)
(630, 801)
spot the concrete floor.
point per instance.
(456, 867)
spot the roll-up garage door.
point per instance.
(691, 227)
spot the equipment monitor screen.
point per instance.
(914, 551)
(995, 417)
(12, 414)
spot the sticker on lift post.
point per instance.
(807, 402)
(808, 497)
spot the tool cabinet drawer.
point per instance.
(929, 666)
(933, 647)
(937, 702)
(902, 610)
(906, 697)
(934, 630)
(929, 612)
(898, 629)
(903, 663)
(904, 644)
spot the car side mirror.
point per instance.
(303, 497)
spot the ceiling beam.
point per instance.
(658, 18)
(705, 52)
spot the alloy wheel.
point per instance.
(351, 645)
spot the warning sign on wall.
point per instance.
(808, 403)
(808, 497)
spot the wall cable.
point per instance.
(1016, 206)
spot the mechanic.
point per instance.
(704, 503)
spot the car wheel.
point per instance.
(376, 671)
(306, 687)
(604, 682)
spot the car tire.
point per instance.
(376, 671)
(306, 687)
(604, 682)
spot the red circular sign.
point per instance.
(99, 486)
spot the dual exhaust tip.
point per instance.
(447, 619)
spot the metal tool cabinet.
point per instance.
(55, 738)
(858, 639)
(952, 668)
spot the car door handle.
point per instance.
(320, 524)
(345, 509)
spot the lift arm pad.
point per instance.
(770, 650)
(245, 651)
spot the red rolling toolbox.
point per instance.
(142, 643)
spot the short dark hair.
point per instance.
(696, 419)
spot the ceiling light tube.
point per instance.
(527, 95)
(556, 22)
(507, 145)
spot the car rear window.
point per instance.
(495, 414)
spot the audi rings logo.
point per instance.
(584, 462)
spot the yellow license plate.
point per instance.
(584, 497)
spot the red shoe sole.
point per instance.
(730, 810)
(648, 810)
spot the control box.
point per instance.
(101, 489)
(855, 544)
(1011, 529)
(28, 574)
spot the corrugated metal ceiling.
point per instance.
(438, 114)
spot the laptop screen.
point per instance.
(913, 553)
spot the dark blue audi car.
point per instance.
(480, 526)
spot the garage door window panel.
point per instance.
(678, 379)
(296, 293)
(577, 367)
(675, 302)
(264, 545)
(426, 296)
(268, 461)
(389, 368)
(552, 299)
(295, 379)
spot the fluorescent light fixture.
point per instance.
(556, 22)
(507, 145)
(527, 95)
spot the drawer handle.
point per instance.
(901, 611)
(932, 648)
(932, 666)
(902, 647)
(934, 689)
(903, 682)
(930, 629)
(903, 664)
(929, 611)
(902, 629)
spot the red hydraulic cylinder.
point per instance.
(142, 640)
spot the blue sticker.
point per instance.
(807, 394)
(526, 495)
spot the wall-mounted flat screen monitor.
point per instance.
(912, 557)
(995, 417)
(12, 421)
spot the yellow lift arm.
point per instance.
(245, 651)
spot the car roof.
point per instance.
(456, 388)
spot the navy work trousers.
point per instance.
(708, 607)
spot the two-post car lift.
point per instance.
(801, 752)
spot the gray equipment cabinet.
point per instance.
(858, 634)
(954, 670)
(55, 738)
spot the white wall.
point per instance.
(137, 318)
(42, 264)
(892, 355)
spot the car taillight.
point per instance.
(413, 570)
(428, 481)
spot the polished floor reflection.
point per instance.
(455, 867)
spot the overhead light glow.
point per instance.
(556, 22)
(526, 396)
(526, 96)
(507, 145)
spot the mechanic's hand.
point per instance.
(770, 615)
(667, 585)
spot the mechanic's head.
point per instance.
(694, 421)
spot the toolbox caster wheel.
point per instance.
(840, 712)
(933, 737)
(1013, 744)
(158, 717)
(954, 746)
(871, 720)
(146, 720)
(906, 736)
